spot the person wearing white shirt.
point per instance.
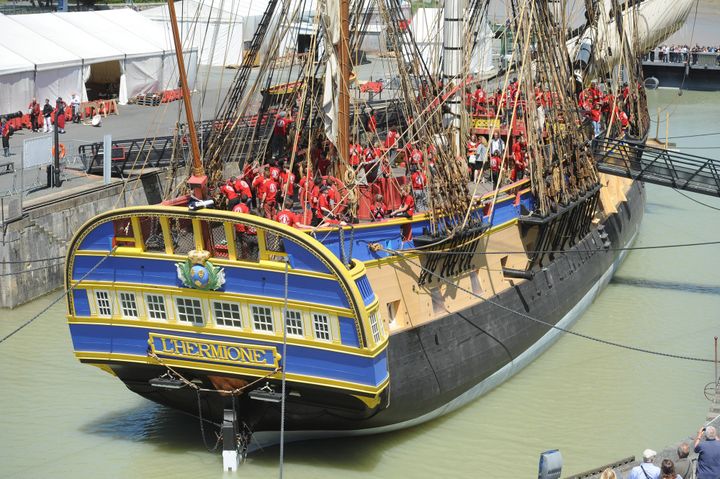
(646, 470)
(75, 104)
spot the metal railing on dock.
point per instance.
(660, 166)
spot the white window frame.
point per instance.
(195, 301)
(254, 323)
(148, 303)
(121, 302)
(375, 326)
(328, 323)
(109, 299)
(224, 319)
(301, 327)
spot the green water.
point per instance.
(595, 403)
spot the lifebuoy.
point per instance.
(62, 151)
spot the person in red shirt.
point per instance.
(242, 187)
(35, 112)
(280, 130)
(407, 204)
(228, 191)
(323, 211)
(246, 244)
(379, 209)
(60, 106)
(418, 180)
(287, 182)
(391, 142)
(5, 131)
(519, 150)
(479, 100)
(286, 216)
(495, 163)
(268, 198)
(274, 171)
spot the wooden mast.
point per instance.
(343, 116)
(198, 180)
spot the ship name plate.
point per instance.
(235, 354)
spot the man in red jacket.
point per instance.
(35, 112)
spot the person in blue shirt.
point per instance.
(646, 470)
(708, 462)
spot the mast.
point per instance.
(343, 139)
(452, 65)
(198, 180)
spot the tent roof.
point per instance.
(137, 24)
(24, 42)
(225, 11)
(113, 33)
(75, 40)
(11, 62)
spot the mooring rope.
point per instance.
(284, 367)
(61, 296)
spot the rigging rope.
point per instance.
(550, 325)
(61, 296)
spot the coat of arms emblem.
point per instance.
(197, 272)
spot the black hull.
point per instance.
(674, 75)
(442, 365)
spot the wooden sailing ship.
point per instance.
(359, 327)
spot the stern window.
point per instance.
(293, 322)
(128, 305)
(375, 327)
(262, 319)
(155, 306)
(227, 314)
(321, 326)
(104, 305)
(189, 310)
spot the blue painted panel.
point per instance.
(238, 280)
(100, 238)
(91, 338)
(300, 258)
(348, 332)
(81, 303)
(366, 290)
(315, 362)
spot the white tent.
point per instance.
(57, 54)
(218, 29)
(16, 81)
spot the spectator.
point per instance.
(683, 464)
(497, 144)
(481, 153)
(75, 104)
(708, 463)
(609, 474)
(667, 470)
(407, 204)
(47, 114)
(6, 131)
(34, 110)
(419, 183)
(646, 470)
(60, 115)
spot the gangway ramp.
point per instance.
(659, 166)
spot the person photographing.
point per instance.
(708, 462)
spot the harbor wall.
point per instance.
(33, 248)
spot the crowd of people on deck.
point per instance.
(680, 464)
(681, 53)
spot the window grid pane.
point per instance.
(321, 326)
(128, 305)
(189, 310)
(374, 327)
(293, 322)
(156, 306)
(227, 314)
(262, 319)
(104, 306)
